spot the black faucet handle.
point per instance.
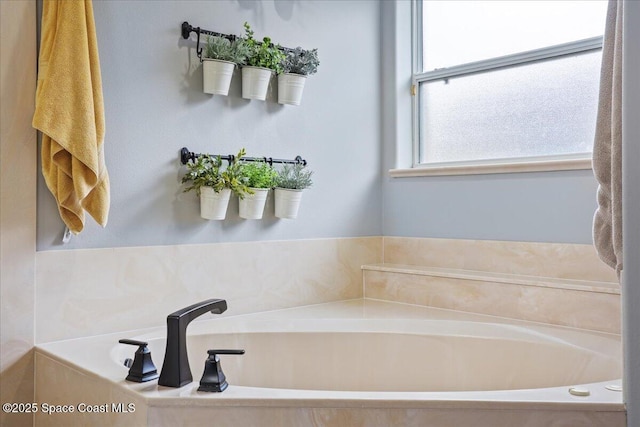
(133, 342)
(214, 352)
(142, 368)
(213, 379)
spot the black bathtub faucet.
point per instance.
(175, 369)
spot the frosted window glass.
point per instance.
(458, 32)
(544, 108)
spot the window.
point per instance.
(505, 81)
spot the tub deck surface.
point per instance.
(96, 359)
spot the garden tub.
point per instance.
(359, 362)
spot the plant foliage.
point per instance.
(234, 176)
(301, 61)
(294, 177)
(263, 54)
(225, 50)
(207, 171)
(204, 171)
(260, 175)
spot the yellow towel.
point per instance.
(70, 112)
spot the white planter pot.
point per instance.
(255, 82)
(252, 205)
(216, 76)
(287, 203)
(214, 205)
(290, 87)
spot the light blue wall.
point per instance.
(154, 105)
(354, 114)
(539, 207)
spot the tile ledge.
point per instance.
(487, 276)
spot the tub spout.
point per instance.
(175, 369)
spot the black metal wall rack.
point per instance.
(186, 155)
(187, 29)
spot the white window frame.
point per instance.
(523, 164)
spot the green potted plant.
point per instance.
(214, 184)
(296, 66)
(291, 180)
(260, 179)
(220, 59)
(263, 60)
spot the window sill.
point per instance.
(490, 167)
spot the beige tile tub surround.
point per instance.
(559, 260)
(598, 311)
(373, 417)
(563, 284)
(88, 292)
(60, 388)
(94, 291)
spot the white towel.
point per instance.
(607, 148)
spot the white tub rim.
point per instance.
(542, 398)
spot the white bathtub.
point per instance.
(358, 362)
